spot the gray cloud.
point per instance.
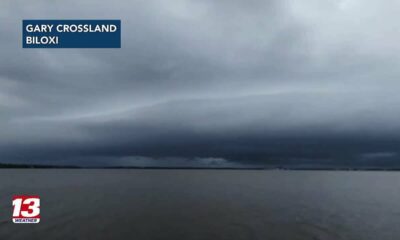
(251, 82)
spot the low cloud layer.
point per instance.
(248, 82)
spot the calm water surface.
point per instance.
(204, 204)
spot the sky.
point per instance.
(206, 83)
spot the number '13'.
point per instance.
(33, 206)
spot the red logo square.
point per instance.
(26, 209)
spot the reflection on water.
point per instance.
(204, 204)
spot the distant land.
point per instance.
(10, 165)
(329, 168)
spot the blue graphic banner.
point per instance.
(71, 33)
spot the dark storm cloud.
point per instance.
(242, 81)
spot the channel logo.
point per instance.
(26, 209)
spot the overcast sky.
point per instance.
(206, 83)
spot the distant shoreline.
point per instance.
(37, 166)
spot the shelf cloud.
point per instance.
(220, 83)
